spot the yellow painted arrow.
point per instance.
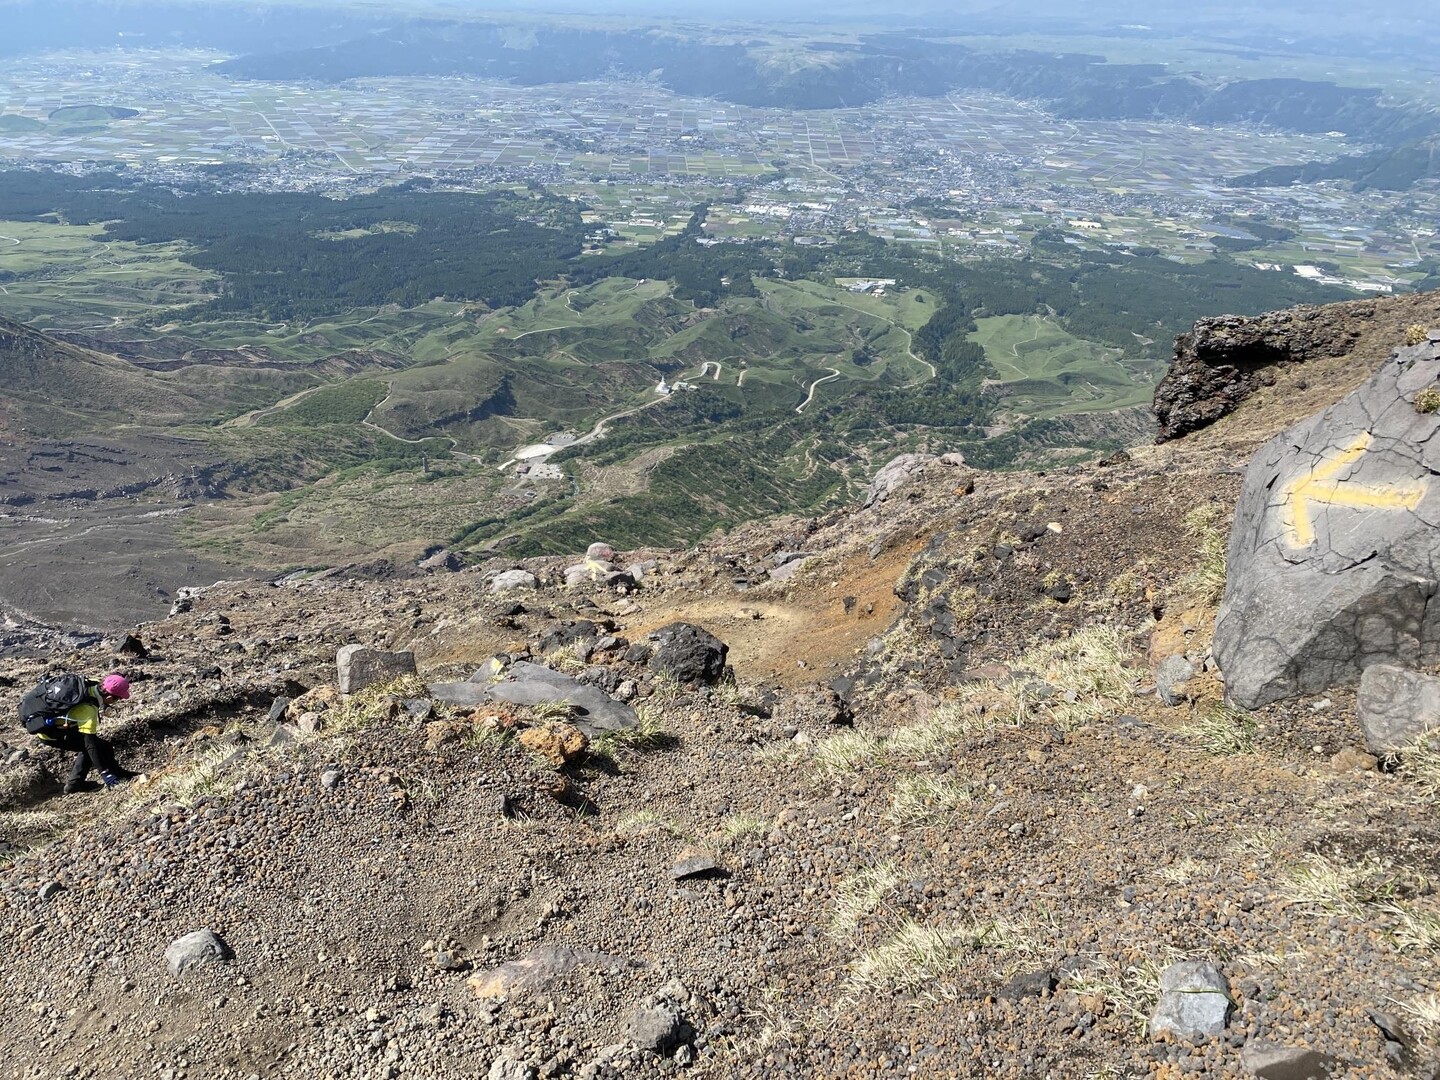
(1319, 486)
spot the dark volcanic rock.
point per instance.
(688, 654)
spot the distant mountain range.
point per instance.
(830, 75)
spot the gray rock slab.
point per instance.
(1269, 1061)
(1194, 1002)
(894, 473)
(1334, 558)
(699, 866)
(359, 666)
(1396, 706)
(535, 684)
(202, 948)
(540, 967)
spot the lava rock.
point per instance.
(1396, 706)
(688, 654)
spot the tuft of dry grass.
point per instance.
(1419, 765)
(922, 797)
(860, 895)
(1086, 669)
(1209, 527)
(738, 827)
(1336, 888)
(648, 821)
(373, 705)
(648, 734)
(845, 752)
(1220, 729)
(1416, 334)
(1129, 991)
(915, 956)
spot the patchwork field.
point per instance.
(1046, 371)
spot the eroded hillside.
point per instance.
(947, 819)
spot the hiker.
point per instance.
(77, 728)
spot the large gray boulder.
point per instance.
(893, 473)
(1396, 706)
(535, 684)
(1334, 560)
(358, 666)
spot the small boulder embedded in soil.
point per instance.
(358, 667)
(203, 948)
(1267, 1061)
(656, 1028)
(1396, 706)
(688, 654)
(1194, 1002)
(559, 744)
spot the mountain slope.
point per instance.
(51, 387)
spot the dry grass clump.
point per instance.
(1209, 526)
(1220, 729)
(374, 704)
(1130, 991)
(847, 751)
(647, 821)
(1416, 334)
(739, 827)
(915, 956)
(1423, 1014)
(1419, 765)
(648, 734)
(860, 895)
(1368, 888)
(924, 796)
(1086, 669)
(1427, 401)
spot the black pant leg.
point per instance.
(101, 754)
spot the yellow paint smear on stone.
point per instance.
(1319, 486)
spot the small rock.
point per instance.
(698, 866)
(49, 889)
(330, 779)
(446, 960)
(195, 950)
(507, 1068)
(1268, 1061)
(560, 744)
(1029, 984)
(358, 666)
(1396, 706)
(688, 654)
(657, 1028)
(1170, 676)
(130, 645)
(1353, 759)
(1194, 1002)
(278, 708)
(513, 579)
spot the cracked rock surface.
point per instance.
(1334, 556)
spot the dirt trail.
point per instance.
(804, 624)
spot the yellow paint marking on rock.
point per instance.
(1320, 486)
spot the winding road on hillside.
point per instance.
(834, 374)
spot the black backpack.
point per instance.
(54, 696)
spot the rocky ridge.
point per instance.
(969, 803)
